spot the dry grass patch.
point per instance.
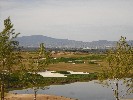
(74, 67)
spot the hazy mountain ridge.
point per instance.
(35, 40)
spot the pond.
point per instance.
(80, 90)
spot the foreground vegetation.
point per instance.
(120, 67)
(28, 78)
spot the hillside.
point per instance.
(35, 40)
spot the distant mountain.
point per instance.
(35, 40)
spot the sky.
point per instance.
(82, 20)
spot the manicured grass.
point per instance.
(68, 55)
(74, 67)
(69, 61)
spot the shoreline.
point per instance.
(39, 97)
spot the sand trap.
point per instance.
(52, 74)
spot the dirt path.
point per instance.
(39, 97)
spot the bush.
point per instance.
(63, 72)
(92, 62)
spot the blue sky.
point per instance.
(83, 20)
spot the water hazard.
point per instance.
(80, 90)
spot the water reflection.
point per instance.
(80, 90)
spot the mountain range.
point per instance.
(35, 40)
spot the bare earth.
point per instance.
(39, 97)
(31, 96)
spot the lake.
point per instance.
(80, 90)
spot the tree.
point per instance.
(120, 66)
(39, 64)
(8, 56)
